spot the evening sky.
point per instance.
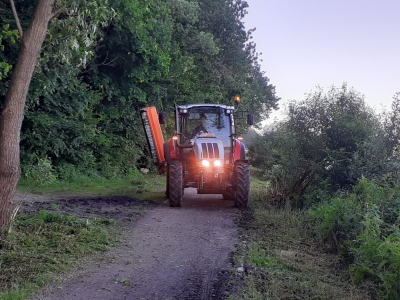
(312, 43)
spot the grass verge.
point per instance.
(283, 259)
(45, 243)
(144, 187)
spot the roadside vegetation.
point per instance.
(135, 185)
(82, 111)
(326, 213)
(101, 62)
(335, 163)
(42, 244)
(284, 257)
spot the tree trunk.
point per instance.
(13, 111)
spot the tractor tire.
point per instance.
(167, 185)
(228, 194)
(242, 178)
(175, 184)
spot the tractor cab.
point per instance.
(204, 121)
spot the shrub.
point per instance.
(365, 225)
(377, 256)
(41, 173)
(337, 220)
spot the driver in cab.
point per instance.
(202, 127)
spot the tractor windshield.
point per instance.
(206, 122)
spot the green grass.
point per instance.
(144, 187)
(259, 258)
(42, 244)
(283, 257)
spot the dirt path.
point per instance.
(169, 253)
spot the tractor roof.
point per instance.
(189, 106)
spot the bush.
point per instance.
(377, 256)
(41, 173)
(331, 137)
(319, 192)
(365, 225)
(337, 220)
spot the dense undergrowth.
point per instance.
(345, 247)
(337, 161)
(285, 258)
(364, 227)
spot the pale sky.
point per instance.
(319, 42)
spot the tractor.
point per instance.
(205, 152)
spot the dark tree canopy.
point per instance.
(104, 60)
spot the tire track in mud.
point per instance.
(170, 253)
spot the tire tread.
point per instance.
(175, 184)
(242, 184)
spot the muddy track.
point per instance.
(166, 253)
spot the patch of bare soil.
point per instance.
(165, 253)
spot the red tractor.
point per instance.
(205, 152)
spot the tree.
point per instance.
(391, 123)
(235, 69)
(13, 110)
(103, 61)
(131, 57)
(322, 140)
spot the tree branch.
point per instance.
(21, 33)
(56, 12)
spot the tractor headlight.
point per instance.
(217, 163)
(205, 163)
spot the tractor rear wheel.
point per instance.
(175, 184)
(242, 177)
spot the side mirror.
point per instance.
(162, 118)
(250, 119)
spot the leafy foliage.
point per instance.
(329, 141)
(340, 161)
(41, 174)
(6, 36)
(282, 258)
(364, 225)
(102, 61)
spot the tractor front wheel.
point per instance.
(242, 178)
(175, 184)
